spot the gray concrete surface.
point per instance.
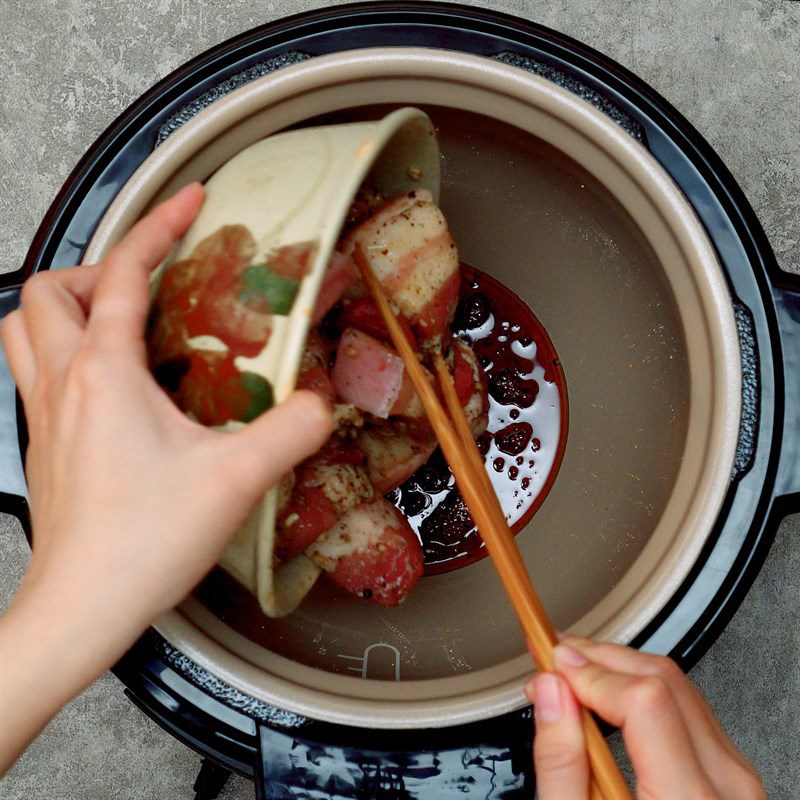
(67, 68)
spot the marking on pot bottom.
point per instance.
(363, 664)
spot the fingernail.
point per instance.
(190, 187)
(566, 656)
(530, 689)
(547, 691)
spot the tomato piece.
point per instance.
(364, 315)
(366, 373)
(308, 513)
(392, 456)
(437, 314)
(406, 398)
(326, 486)
(341, 450)
(408, 410)
(414, 258)
(314, 374)
(340, 274)
(316, 379)
(371, 552)
(471, 386)
(463, 374)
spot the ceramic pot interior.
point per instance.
(586, 250)
(563, 244)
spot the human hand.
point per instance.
(131, 502)
(677, 746)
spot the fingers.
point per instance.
(121, 300)
(261, 453)
(708, 735)
(54, 304)
(19, 353)
(728, 769)
(559, 750)
(654, 730)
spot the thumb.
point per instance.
(263, 451)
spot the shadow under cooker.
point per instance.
(533, 218)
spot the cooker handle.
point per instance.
(787, 303)
(13, 491)
(351, 765)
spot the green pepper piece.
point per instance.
(260, 288)
(260, 391)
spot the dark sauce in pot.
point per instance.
(526, 435)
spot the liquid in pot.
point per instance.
(526, 434)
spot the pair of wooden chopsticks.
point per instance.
(466, 464)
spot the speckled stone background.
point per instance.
(67, 68)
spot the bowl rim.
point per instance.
(526, 88)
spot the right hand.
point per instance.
(677, 746)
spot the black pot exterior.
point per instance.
(291, 754)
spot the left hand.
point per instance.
(131, 502)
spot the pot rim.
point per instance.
(641, 167)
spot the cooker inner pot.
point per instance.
(534, 219)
